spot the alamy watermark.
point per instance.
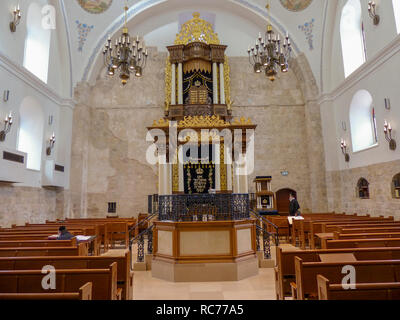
(191, 146)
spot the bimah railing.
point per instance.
(263, 229)
(203, 207)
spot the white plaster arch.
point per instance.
(149, 15)
(31, 131)
(362, 130)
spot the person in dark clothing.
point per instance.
(63, 234)
(294, 206)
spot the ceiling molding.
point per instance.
(364, 71)
(68, 34)
(34, 82)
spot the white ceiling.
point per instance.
(237, 23)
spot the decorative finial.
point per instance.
(196, 15)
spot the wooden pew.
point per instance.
(104, 281)
(285, 272)
(79, 250)
(363, 243)
(317, 227)
(124, 273)
(363, 291)
(306, 226)
(116, 231)
(84, 293)
(341, 236)
(366, 272)
(92, 229)
(38, 243)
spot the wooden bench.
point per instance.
(79, 250)
(366, 272)
(363, 291)
(38, 243)
(363, 243)
(104, 281)
(340, 236)
(124, 273)
(331, 226)
(285, 271)
(116, 231)
(84, 293)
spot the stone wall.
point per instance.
(342, 190)
(25, 204)
(109, 146)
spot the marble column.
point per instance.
(180, 84)
(215, 83)
(222, 83)
(173, 85)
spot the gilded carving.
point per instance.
(197, 29)
(201, 122)
(168, 88)
(227, 80)
(223, 169)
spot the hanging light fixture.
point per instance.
(269, 53)
(129, 56)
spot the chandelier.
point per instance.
(128, 56)
(270, 53)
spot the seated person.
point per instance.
(63, 234)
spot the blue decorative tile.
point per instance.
(308, 28)
(83, 32)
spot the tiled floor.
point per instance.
(261, 287)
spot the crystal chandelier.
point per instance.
(269, 53)
(129, 56)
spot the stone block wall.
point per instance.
(109, 136)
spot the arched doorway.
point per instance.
(282, 201)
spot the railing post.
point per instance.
(258, 238)
(266, 245)
(150, 241)
(140, 255)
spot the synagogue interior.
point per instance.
(199, 150)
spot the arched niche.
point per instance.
(363, 189)
(37, 43)
(282, 200)
(362, 121)
(31, 129)
(396, 186)
(351, 35)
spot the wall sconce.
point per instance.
(6, 95)
(16, 19)
(387, 104)
(7, 127)
(51, 144)
(372, 12)
(387, 128)
(343, 146)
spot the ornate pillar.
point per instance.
(180, 84)
(222, 83)
(215, 83)
(173, 84)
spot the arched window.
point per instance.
(30, 139)
(37, 44)
(363, 189)
(396, 9)
(362, 121)
(352, 37)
